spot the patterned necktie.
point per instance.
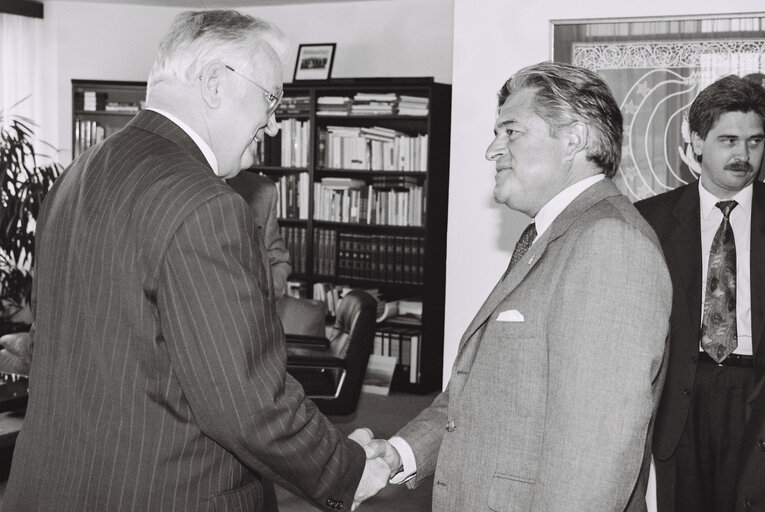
(523, 244)
(718, 328)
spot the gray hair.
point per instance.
(566, 94)
(197, 38)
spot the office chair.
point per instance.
(331, 369)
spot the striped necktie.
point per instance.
(523, 244)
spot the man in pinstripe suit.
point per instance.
(158, 379)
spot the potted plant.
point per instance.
(23, 184)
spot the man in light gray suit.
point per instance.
(551, 398)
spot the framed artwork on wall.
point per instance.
(655, 68)
(314, 61)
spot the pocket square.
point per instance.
(511, 315)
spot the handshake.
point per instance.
(383, 461)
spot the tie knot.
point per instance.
(726, 207)
(529, 234)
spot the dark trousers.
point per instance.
(701, 474)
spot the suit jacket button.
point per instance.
(340, 505)
(761, 444)
(330, 503)
(687, 392)
(450, 426)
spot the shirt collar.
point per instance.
(557, 204)
(707, 201)
(199, 141)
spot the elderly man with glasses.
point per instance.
(158, 375)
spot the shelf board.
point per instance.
(376, 227)
(293, 115)
(336, 117)
(297, 222)
(362, 172)
(364, 283)
(277, 169)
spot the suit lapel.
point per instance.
(560, 225)
(684, 241)
(757, 270)
(160, 125)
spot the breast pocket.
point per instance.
(508, 492)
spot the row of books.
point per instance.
(402, 343)
(92, 101)
(356, 202)
(294, 105)
(122, 106)
(398, 259)
(295, 137)
(324, 251)
(372, 104)
(294, 239)
(87, 133)
(329, 293)
(371, 148)
(292, 196)
(412, 105)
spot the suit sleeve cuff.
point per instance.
(409, 466)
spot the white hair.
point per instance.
(197, 38)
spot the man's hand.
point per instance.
(380, 448)
(383, 461)
(374, 478)
(363, 436)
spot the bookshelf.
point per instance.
(362, 169)
(100, 107)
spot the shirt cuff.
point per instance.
(409, 466)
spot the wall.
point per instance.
(493, 39)
(374, 38)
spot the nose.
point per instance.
(272, 128)
(495, 149)
(742, 152)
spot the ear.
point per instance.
(211, 83)
(698, 144)
(576, 136)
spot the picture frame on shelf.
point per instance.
(314, 61)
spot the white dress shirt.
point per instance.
(545, 217)
(741, 222)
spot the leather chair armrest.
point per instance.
(315, 361)
(307, 341)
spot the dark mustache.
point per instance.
(739, 166)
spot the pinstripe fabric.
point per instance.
(158, 379)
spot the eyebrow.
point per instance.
(732, 136)
(504, 124)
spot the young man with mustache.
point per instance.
(712, 232)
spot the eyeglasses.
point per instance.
(273, 99)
